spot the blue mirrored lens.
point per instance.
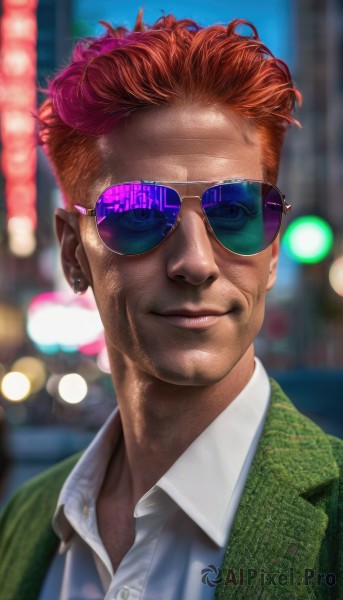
(133, 218)
(244, 216)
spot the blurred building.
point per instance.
(55, 41)
(312, 173)
(54, 45)
(315, 164)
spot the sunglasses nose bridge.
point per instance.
(192, 197)
(203, 214)
(195, 197)
(189, 197)
(183, 197)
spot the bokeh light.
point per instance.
(72, 388)
(336, 276)
(34, 370)
(15, 386)
(21, 237)
(12, 326)
(308, 239)
(57, 321)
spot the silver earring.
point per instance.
(77, 287)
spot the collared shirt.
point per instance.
(182, 523)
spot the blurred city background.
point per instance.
(55, 385)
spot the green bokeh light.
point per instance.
(308, 239)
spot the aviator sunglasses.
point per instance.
(134, 217)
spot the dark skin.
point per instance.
(172, 376)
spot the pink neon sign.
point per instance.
(17, 103)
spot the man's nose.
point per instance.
(190, 248)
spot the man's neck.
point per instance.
(160, 420)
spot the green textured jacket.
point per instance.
(285, 542)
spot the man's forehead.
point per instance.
(174, 124)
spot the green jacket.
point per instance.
(285, 542)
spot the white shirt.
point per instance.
(182, 523)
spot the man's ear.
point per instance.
(74, 260)
(275, 248)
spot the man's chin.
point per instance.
(199, 367)
(192, 374)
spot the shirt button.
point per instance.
(85, 511)
(124, 593)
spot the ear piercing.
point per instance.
(78, 287)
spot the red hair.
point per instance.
(169, 62)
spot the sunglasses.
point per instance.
(134, 217)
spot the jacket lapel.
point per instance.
(277, 533)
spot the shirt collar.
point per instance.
(213, 461)
(82, 486)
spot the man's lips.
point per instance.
(191, 318)
(192, 313)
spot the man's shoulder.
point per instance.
(282, 405)
(300, 435)
(42, 490)
(27, 540)
(337, 450)
(289, 516)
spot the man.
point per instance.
(206, 482)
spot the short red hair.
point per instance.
(169, 62)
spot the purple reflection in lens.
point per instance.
(133, 218)
(272, 211)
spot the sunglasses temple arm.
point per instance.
(87, 212)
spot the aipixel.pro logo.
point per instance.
(211, 576)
